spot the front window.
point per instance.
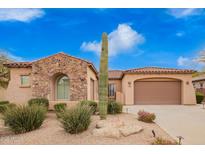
(63, 88)
(25, 80)
(111, 90)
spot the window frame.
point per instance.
(56, 88)
(111, 90)
(27, 85)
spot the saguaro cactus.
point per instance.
(103, 78)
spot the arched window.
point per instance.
(62, 85)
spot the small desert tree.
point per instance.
(4, 71)
(199, 60)
(201, 56)
(103, 78)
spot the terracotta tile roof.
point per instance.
(158, 70)
(115, 74)
(18, 64)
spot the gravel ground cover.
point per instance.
(51, 132)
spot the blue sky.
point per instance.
(137, 37)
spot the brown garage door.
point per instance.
(157, 92)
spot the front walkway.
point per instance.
(177, 120)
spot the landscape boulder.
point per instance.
(107, 132)
(129, 130)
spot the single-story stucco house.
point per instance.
(64, 78)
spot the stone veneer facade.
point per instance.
(45, 71)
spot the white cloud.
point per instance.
(21, 15)
(182, 61)
(91, 46)
(190, 63)
(10, 55)
(121, 40)
(180, 34)
(182, 13)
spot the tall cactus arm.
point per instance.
(103, 78)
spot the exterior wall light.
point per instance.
(153, 133)
(180, 139)
(187, 82)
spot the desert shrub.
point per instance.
(11, 105)
(76, 119)
(4, 107)
(4, 102)
(39, 101)
(92, 104)
(161, 141)
(114, 107)
(60, 108)
(21, 119)
(199, 97)
(146, 116)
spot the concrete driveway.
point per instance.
(186, 121)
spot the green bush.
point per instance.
(23, 119)
(92, 104)
(146, 116)
(199, 97)
(4, 102)
(59, 107)
(114, 107)
(76, 119)
(4, 107)
(39, 101)
(11, 105)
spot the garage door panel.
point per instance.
(157, 92)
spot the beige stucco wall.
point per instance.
(91, 75)
(14, 92)
(187, 89)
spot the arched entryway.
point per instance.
(62, 88)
